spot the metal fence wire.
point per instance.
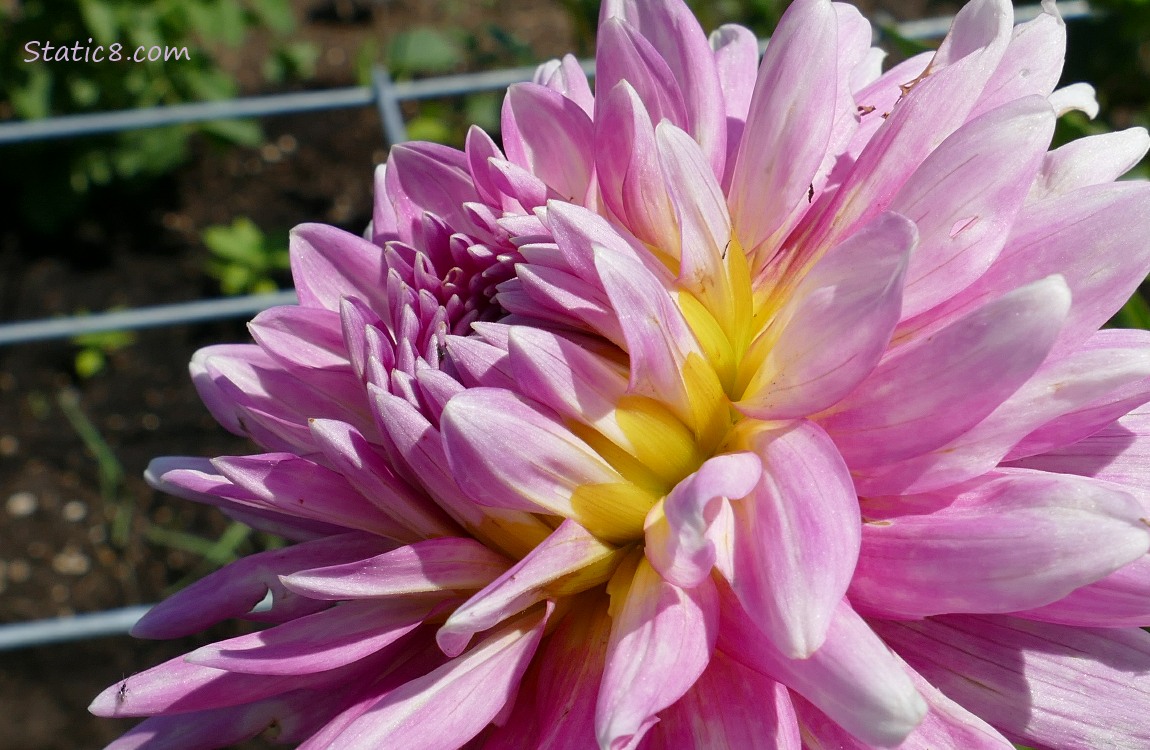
(386, 96)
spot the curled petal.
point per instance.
(661, 640)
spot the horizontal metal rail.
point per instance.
(386, 95)
(179, 313)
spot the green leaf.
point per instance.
(238, 132)
(89, 363)
(100, 18)
(277, 14)
(424, 50)
(238, 242)
(428, 128)
(33, 100)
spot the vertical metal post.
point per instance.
(394, 128)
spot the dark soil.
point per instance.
(58, 554)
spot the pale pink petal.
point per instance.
(736, 61)
(566, 76)
(853, 678)
(1039, 684)
(628, 170)
(946, 725)
(792, 112)
(420, 447)
(571, 379)
(623, 54)
(796, 539)
(449, 705)
(1120, 600)
(922, 397)
(729, 706)
(1092, 237)
(836, 326)
(288, 483)
(965, 195)
(658, 337)
(1092, 160)
(1077, 97)
(514, 456)
(677, 539)
(1008, 542)
(551, 136)
(434, 177)
(661, 640)
(917, 123)
(568, 561)
(1118, 453)
(367, 469)
(704, 226)
(435, 566)
(1032, 63)
(672, 30)
(1100, 381)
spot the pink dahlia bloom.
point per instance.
(734, 405)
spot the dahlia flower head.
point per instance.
(733, 405)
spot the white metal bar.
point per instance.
(143, 317)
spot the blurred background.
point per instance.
(100, 223)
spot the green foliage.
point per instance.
(244, 260)
(94, 349)
(186, 36)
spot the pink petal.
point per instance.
(661, 640)
(671, 28)
(1119, 453)
(1012, 541)
(922, 397)
(946, 725)
(1072, 395)
(623, 54)
(287, 483)
(332, 638)
(567, 77)
(677, 538)
(736, 62)
(1093, 160)
(1120, 600)
(1039, 684)
(1091, 237)
(796, 539)
(1032, 63)
(516, 457)
(568, 561)
(937, 106)
(329, 263)
(551, 136)
(628, 170)
(234, 590)
(571, 379)
(658, 338)
(964, 197)
(434, 566)
(368, 470)
(449, 705)
(434, 177)
(853, 677)
(792, 112)
(836, 326)
(729, 706)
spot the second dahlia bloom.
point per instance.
(733, 405)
